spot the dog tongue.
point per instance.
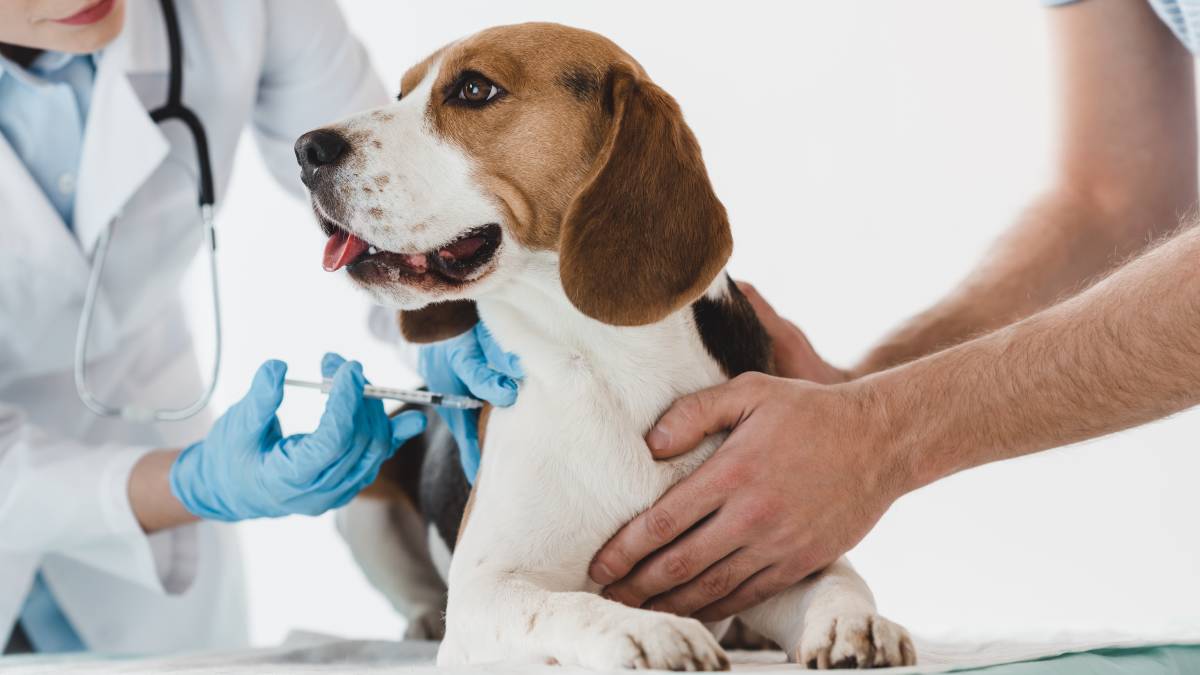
(342, 249)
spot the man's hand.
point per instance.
(796, 484)
(807, 470)
(794, 354)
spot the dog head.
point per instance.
(513, 142)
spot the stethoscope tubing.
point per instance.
(174, 109)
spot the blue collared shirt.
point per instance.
(43, 111)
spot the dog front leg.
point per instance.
(507, 616)
(829, 620)
(390, 543)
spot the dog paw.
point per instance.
(854, 641)
(645, 640)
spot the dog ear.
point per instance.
(645, 234)
(439, 321)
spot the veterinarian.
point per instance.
(1029, 353)
(107, 532)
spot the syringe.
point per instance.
(405, 395)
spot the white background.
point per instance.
(868, 152)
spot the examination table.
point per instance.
(304, 653)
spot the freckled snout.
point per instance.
(319, 149)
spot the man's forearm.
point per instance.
(1124, 352)
(1124, 171)
(150, 497)
(1062, 242)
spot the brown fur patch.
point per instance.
(646, 234)
(484, 414)
(383, 488)
(534, 146)
(584, 154)
(439, 321)
(462, 526)
(413, 76)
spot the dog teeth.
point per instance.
(372, 250)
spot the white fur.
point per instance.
(429, 198)
(566, 466)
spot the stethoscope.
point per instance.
(174, 109)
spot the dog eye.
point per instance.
(477, 90)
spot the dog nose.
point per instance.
(317, 149)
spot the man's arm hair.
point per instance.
(1125, 174)
(1122, 353)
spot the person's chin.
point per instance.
(98, 35)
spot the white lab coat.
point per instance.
(278, 66)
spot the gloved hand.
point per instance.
(472, 364)
(246, 468)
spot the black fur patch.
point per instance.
(404, 468)
(582, 83)
(444, 488)
(732, 333)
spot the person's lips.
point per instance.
(90, 14)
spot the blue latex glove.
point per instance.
(472, 364)
(246, 468)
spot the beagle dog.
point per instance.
(535, 177)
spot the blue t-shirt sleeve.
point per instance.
(1056, 3)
